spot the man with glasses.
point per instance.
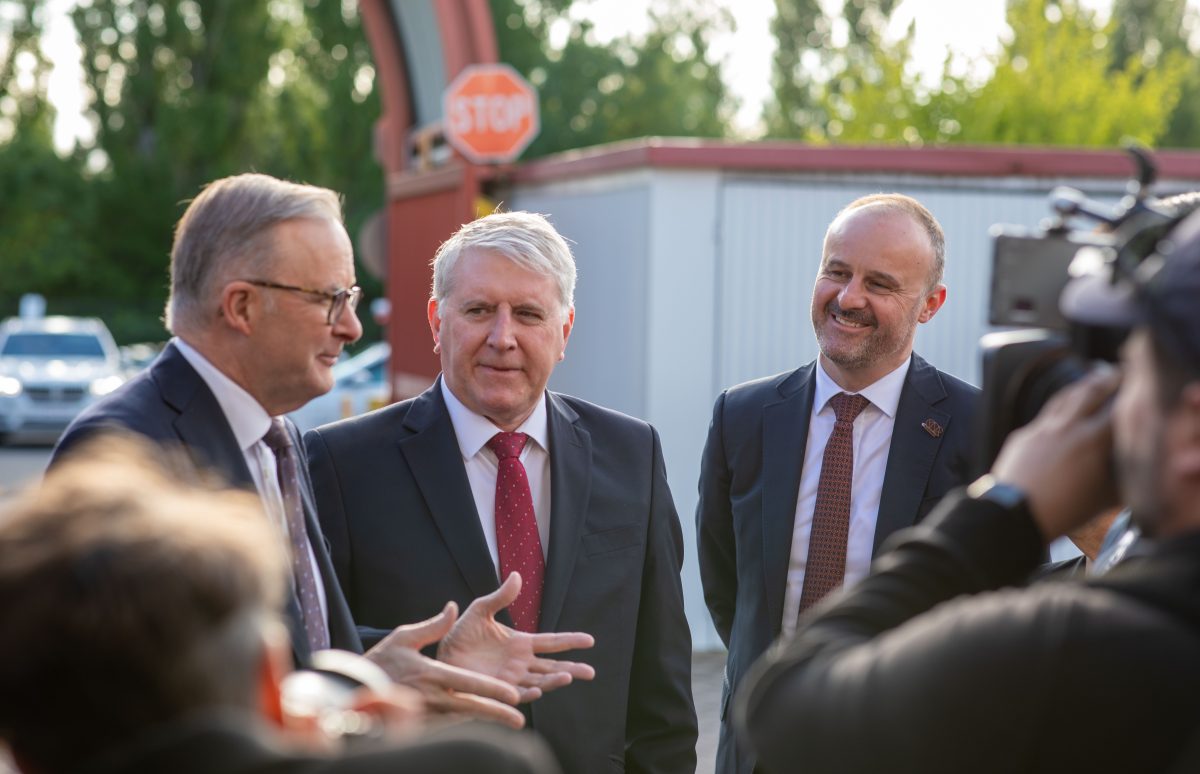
(262, 302)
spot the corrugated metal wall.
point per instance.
(608, 226)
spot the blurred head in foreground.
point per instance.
(127, 601)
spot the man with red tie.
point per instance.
(487, 473)
(805, 473)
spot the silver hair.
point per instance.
(897, 202)
(526, 238)
(227, 231)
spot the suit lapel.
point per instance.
(785, 434)
(913, 449)
(209, 440)
(201, 423)
(433, 456)
(570, 486)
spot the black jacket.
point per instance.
(903, 673)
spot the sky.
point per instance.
(969, 28)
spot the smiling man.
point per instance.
(488, 473)
(805, 473)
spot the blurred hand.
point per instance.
(481, 643)
(1062, 460)
(399, 710)
(445, 688)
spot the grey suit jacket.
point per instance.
(170, 404)
(396, 504)
(749, 482)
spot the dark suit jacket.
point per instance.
(395, 501)
(170, 404)
(749, 481)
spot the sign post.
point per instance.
(491, 113)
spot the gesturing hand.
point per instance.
(481, 643)
(445, 688)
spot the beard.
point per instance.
(880, 344)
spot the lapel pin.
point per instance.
(932, 427)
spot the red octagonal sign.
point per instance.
(491, 113)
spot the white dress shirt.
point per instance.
(250, 422)
(871, 441)
(473, 432)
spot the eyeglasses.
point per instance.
(339, 300)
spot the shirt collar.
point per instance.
(474, 431)
(247, 418)
(884, 393)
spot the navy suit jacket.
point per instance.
(170, 404)
(396, 503)
(749, 482)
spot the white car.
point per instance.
(51, 368)
(360, 384)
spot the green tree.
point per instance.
(46, 214)
(1088, 103)
(591, 93)
(810, 71)
(1052, 84)
(185, 92)
(1150, 29)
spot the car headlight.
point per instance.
(9, 387)
(106, 384)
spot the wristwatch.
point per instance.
(1007, 496)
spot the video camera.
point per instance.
(1032, 279)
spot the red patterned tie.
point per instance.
(517, 539)
(826, 565)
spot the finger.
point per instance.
(529, 693)
(422, 633)
(1086, 395)
(450, 677)
(557, 642)
(493, 603)
(546, 682)
(577, 670)
(478, 707)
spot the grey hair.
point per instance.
(526, 238)
(227, 230)
(897, 202)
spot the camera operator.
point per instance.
(141, 632)
(932, 665)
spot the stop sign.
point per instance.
(491, 113)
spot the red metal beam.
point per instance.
(960, 161)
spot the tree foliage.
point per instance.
(181, 93)
(1057, 81)
(591, 93)
(1148, 30)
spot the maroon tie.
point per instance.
(302, 568)
(826, 565)
(517, 539)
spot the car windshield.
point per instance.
(52, 345)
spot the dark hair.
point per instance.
(127, 600)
